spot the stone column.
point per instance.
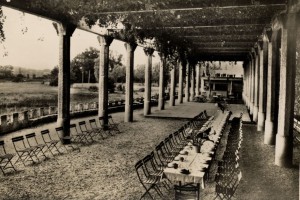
(256, 83)
(262, 85)
(252, 70)
(65, 32)
(148, 76)
(104, 42)
(161, 98)
(192, 82)
(284, 137)
(172, 86)
(269, 136)
(180, 82)
(187, 83)
(130, 48)
(197, 80)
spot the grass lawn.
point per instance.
(16, 97)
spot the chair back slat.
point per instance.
(3, 151)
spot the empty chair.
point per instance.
(148, 181)
(5, 159)
(39, 149)
(96, 128)
(59, 131)
(83, 128)
(77, 137)
(51, 143)
(112, 125)
(162, 156)
(25, 153)
(187, 191)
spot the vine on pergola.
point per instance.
(138, 28)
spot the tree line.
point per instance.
(84, 68)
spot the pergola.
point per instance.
(261, 33)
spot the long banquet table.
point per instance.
(195, 162)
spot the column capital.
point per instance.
(260, 43)
(253, 52)
(268, 33)
(105, 40)
(148, 51)
(64, 29)
(130, 46)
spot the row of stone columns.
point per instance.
(65, 32)
(269, 87)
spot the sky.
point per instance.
(32, 42)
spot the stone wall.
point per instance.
(16, 121)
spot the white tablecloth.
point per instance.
(194, 162)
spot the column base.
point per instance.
(251, 108)
(172, 101)
(180, 99)
(284, 151)
(147, 108)
(260, 121)
(161, 105)
(269, 136)
(255, 113)
(65, 123)
(128, 114)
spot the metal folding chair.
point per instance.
(39, 149)
(24, 153)
(5, 159)
(51, 143)
(59, 131)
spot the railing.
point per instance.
(32, 117)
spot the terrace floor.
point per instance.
(105, 169)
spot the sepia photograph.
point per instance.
(149, 99)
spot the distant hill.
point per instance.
(31, 72)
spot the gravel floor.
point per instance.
(105, 169)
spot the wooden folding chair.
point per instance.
(105, 128)
(83, 128)
(187, 191)
(112, 125)
(51, 143)
(39, 149)
(148, 182)
(5, 159)
(59, 131)
(24, 152)
(99, 130)
(78, 137)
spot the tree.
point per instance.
(54, 77)
(82, 66)
(139, 74)
(6, 71)
(117, 70)
(18, 78)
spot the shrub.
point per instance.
(93, 88)
(120, 87)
